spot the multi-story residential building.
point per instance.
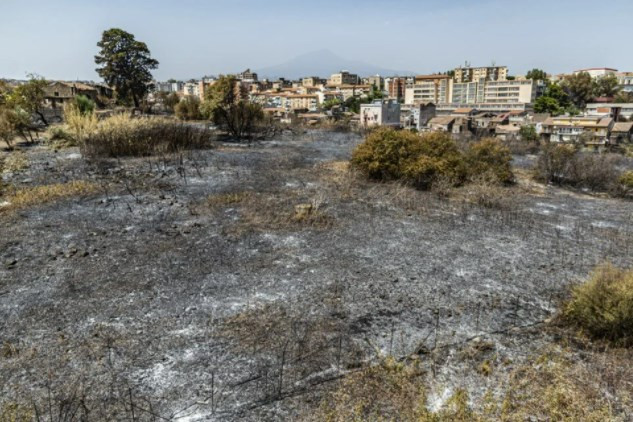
(517, 91)
(349, 91)
(293, 102)
(312, 81)
(329, 96)
(343, 78)
(191, 89)
(597, 72)
(380, 113)
(247, 76)
(625, 81)
(434, 89)
(615, 110)
(376, 81)
(466, 93)
(395, 87)
(474, 74)
(590, 129)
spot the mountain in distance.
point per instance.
(323, 63)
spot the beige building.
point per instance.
(474, 74)
(311, 81)
(426, 89)
(292, 102)
(517, 91)
(591, 130)
(343, 78)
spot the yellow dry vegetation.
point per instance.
(27, 197)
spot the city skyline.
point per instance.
(194, 38)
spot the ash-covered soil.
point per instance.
(189, 288)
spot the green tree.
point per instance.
(224, 105)
(29, 97)
(547, 104)
(537, 75)
(328, 104)
(528, 133)
(623, 97)
(125, 64)
(169, 100)
(579, 88)
(606, 86)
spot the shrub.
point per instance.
(7, 128)
(603, 306)
(388, 154)
(565, 165)
(188, 109)
(490, 158)
(60, 134)
(84, 104)
(122, 135)
(556, 163)
(625, 183)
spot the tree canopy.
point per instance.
(225, 106)
(125, 64)
(579, 88)
(29, 97)
(537, 75)
(606, 86)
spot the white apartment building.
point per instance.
(596, 72)
(614, 110)
(625, 81)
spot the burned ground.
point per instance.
(191, 287)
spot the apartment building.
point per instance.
(517, 91)
(191, 89)
(474, 74)
(343, 78)
(376, 81)
(247, 76)
(434, 89)
(380, 113)
(396, 87)
(294, 102)
(590, 129)
(615, 110)
(625, 81)
(311, 81)
(349, 91)
(596, 72)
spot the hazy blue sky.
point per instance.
(191, 38)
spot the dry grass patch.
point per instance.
(27, 197)
(16, 161)
(278, 210)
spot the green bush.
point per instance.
(188, 109)
(389, 154)
(425, 159)
(84, 104)
(491, 159)
(603, 306)
(626, 183)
